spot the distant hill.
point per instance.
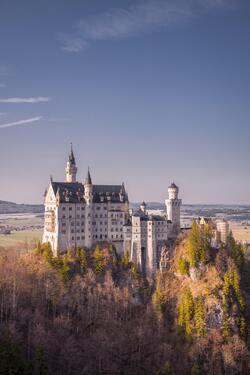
(14, 208)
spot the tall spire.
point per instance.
(71, 169)
(88, 180)
(71, 155)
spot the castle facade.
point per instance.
(81, 214)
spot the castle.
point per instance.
(82, 214)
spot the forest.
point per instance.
(93, 312)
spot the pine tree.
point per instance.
(65, 268)
(126, 260)
(183, 266)
(82, 259)
(158, 296)
(193, 244)
(47, 251)
(186, 311)
(199, 317)
(98, 259)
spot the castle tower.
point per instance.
(88, 197)
(143, 207)
(173, 205)
(71, 168)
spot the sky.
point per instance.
(147, 91)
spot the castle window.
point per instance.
(70, 208)
(112, 236)
(72, 238)
(78, 208)
(117, 236)
(82, 208)
(105, 236)
(78, 238)
(83, 238)
(72, 231)
(63, 208)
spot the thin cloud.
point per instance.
(2, 85)
(139, 18)
(3, 113)
(39, 99)
(21, 122)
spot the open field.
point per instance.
(240, 232)
(28, 238)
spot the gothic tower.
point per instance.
(173, 205)
(71, 168)
(88, 196)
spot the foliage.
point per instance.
(232, 294)
(183, 266)
(186, 312)
(199, 317)
(126, 260)
(236, 251)
(82, 259)
(98, 259)
(198, 244)
(158, 296)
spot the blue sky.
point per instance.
(149, 92)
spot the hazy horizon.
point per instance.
(148, 92)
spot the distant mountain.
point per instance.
(14, 208)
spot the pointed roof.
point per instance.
(72, 156)
(173, 186)
(88, 180)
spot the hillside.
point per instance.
(14, 208)
(92, 312)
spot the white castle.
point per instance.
(82, 214)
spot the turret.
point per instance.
(88, 188)
(71, 168)
(143, 207)
(173, 205)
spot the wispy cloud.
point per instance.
(2, 85)
(38, 99)
(139, 18)
(21, 122)
(3, 113)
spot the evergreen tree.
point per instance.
(199, 317)
(183, 266)
(98, 259)
(64, 269)
(158, 297)
(125, 260)
(186, 311)
(47, 251)
(193, 244)
(82, 259)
